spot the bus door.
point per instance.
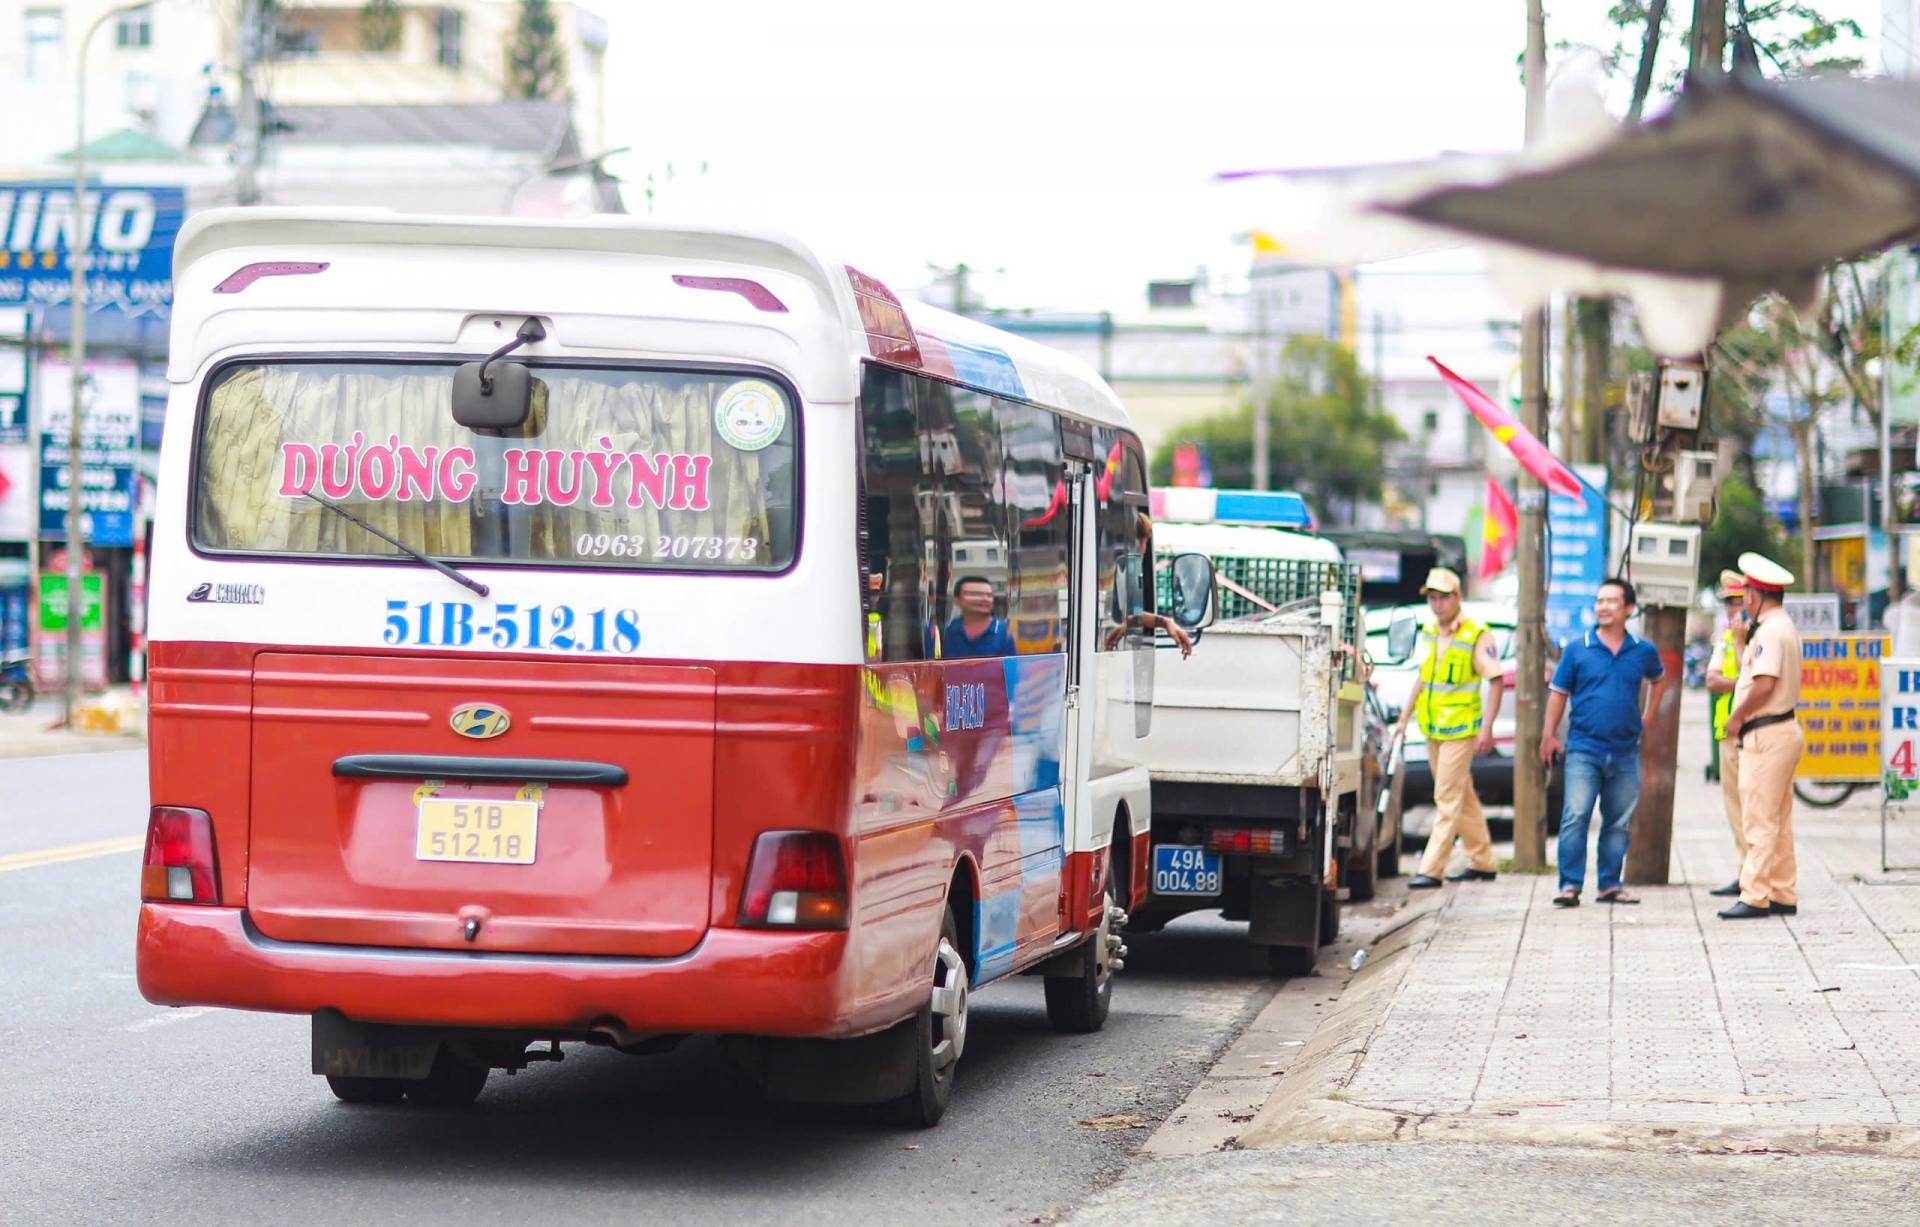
(1082, 670)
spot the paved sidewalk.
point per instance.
(1611, 1048)
(26, 734)
(1512, 1016)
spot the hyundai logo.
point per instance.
(480, 720)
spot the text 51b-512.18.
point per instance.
(534, 628)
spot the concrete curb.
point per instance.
(49, 745)
(1308, 1094)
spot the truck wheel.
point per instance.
(366, 1090)
(1291, 960)
(451, 1083)
(1329, 919)
(1359, 877)
(940, 1035)
(1078, 1004)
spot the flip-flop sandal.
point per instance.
(1615, 895)
(1567, 898)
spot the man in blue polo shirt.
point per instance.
(974, 631)
(1609, 677)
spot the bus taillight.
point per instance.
(179, 865)
(797, 880)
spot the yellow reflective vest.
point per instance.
(1729, 667)
(1449, 707)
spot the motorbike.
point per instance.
(16, 682)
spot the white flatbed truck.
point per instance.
(1263, 762)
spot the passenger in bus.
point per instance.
(1135, 568)
(975, 632)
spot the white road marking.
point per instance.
(70, 852)
(161, 1020)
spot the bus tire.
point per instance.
(366, 1090)
(1078, 1004)
(939, 1035)
(451, 1083)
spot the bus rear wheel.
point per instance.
(366, 1090)
(940, 1035)
(1078, 1004)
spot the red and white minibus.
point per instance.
(579, 631)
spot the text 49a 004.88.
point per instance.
(534, 628)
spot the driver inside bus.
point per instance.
(974, 631)
(1137, 577)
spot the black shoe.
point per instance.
(1783, 909)
(1729, 891)
(1421, 881)
(1473, 875)
(1744, 911)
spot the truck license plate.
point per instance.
(1180, 869)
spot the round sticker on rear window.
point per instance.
(750, 415)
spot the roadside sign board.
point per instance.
(1900, 727)
(110, 450)
(1840, 708)
(129, 242)
(1578, 564)
(1814, 613)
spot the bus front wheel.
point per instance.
(1079, 1003)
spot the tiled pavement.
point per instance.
(1663, 1012)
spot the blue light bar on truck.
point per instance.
(1204, 505)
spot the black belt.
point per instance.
(1760, 722)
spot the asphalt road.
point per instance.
(115, 1110)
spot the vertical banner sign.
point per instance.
(1900, 728)
(129, 241)
(110, 447)
(52, 662)
(1578, 562)
(1840, 680)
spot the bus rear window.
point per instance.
(614, 467)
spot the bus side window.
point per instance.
(1123, 546)
(894, 588)
(1040, 525)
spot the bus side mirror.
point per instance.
(1192, 591)
(500, 401)
(1402, 633)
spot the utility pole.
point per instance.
(247, 130)
(1530, 689)
(1262, 385)
(1650, 845)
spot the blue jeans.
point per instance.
(1613, 780)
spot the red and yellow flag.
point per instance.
(1500, 531)
(1529, 451)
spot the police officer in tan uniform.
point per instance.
(1723, 674)
(1770, 741)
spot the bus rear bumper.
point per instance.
(735, 981)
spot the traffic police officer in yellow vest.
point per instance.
(1722, 672)
(1446, 701)
(1763, 722)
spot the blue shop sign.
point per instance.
(129, 243)
(1576, 558)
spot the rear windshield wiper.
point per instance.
(452, 574)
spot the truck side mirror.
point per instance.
(1192, 591)
(1402, 633)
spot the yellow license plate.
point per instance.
(485, 832)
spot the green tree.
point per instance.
(536, 60)
(1324, 439)
(380, 25)
(1743, 523)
